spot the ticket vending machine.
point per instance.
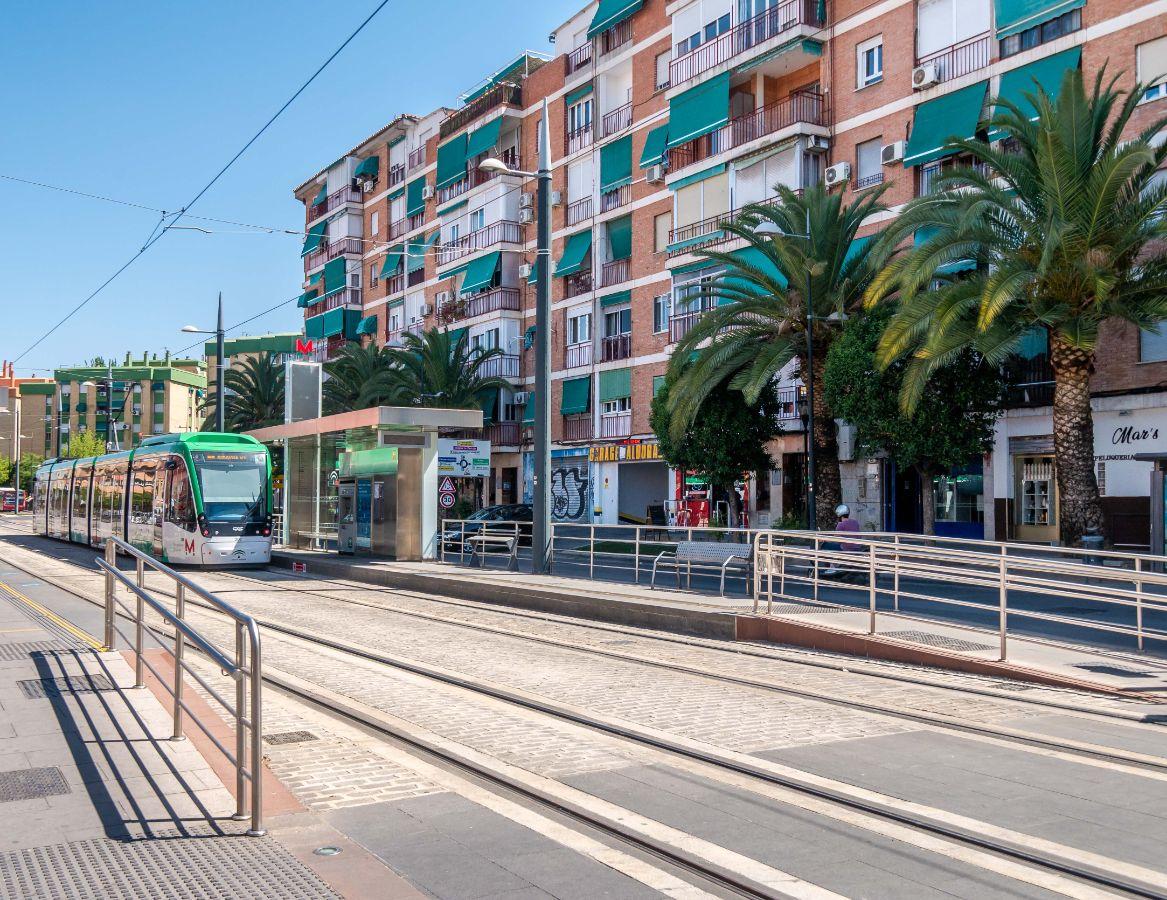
(346, 516)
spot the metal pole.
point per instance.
(140, 629)
(1004, 591)
(179, 646)
(811, 513)
(1139, 600)
(637, 560)
(541, 528)
(814, 562)
(111, 561)
(240, 732)
(871, 586)
(896, 575)
(221, 399)
(591, 551)
(16, 448)
(257, 828)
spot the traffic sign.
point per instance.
(447, 486)
(446, 500)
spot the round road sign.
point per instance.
(446, 501)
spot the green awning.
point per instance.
(396, 301)
(314, 280)
(697, 176)
(676, 246)
(368, 167)
(482, 139)
(577, 396)
(307, 298)
(658, 382)
(1046, 73)
(614, 384)
(534, 276)
(751, 256)
(335, 277)
(449, 210)
(1013, 16)
(699, 110)
(620, 237)
(529, 337)
(414, 256)
(415, 197)
(616, 164)
(529, 409)
(488, 401)
(451, 162)
(611, 13)
(574, 254)
(321, 195)
(315, 237)
(400, 192)
(578, 94)
(655, 146)
(954, 115)
(617, 299)
(857, 246)
(314, 327)
(339, 321)
(960, 265)
(480, 272)
(367, 325)
(392, 261)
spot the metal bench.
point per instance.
(480, 542)
(704, 553)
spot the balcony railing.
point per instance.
(616, 425)
(574, 141)
(347, 297)
(616, 346)
(345, 195)
(499, 95)
(932, 171)
(495, 233)
(743, 37)
(791, 403)
(578, 59)
(869, 181)
(578, 211)
(578, 355)
(617, 120)
(450, 191)
(614, 272)
(416, 158)
(614, 38)
(502, 434)
(578, 428)
(710, 228)
(960, 59)
(394, 335)
(394, 284)
(480, 304)
(807, 107)
(396, 175)
(504, 366)
(579, 283)
(616, 198)
(332, 251)
(680, 324)
(398, 228)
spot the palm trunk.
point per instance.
(828, 483)
(1079, 505)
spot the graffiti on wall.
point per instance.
(570, 493)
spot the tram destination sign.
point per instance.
(459, 458)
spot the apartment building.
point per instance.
(18, 399)
(666, 119)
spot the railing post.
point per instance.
(1004, 599)
(896, 573)
(757, 572)
(1139, 600)
(256, 675)
(871, 586)
(140, 629)
(592, 551)
(636, 561)
(111, 561)
(179, 647)
(814, 557)
(240, 731)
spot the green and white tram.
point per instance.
(195, 499)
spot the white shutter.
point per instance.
(579, 180)
(934, 28)
(397, 209)
(972, 18)
(688, 205)
(1152, 63)
(397, 154)
(749, 185)
(782, 168)
(716, 199)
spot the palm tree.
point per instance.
(758, 320)
(438, 368)
(1065, 230)
(255, 396)
(361, 377)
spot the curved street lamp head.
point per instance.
(493, 165)
(192, 329)
(766, 228)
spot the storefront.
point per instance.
(628, 480)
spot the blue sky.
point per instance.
(144, 101)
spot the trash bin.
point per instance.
(1092, 540)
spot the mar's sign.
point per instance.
(463, 458)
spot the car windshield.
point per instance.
(490, 514)
(234, 485)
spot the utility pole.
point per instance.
(220, 388)
(541, 530)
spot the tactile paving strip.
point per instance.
(936, 640)
(787, 608)
(289, 737)
(32, 784)
(39, 688)
(16, 652)
(210, 867)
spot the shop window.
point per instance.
(959, 496)
(1035, 499)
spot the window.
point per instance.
(660, 313)
(579, 115)
(1153, 344)
(478, 219)
(1036, 491)
(942, 23)
(618, 322)
(579, 328)
(662, 225)
(1152, 67)
(397, 209)
(688, 296)
(1066, 23)
(619, 405)
(375, 222)
(454, 233)
(869, 62)
(868, 164)
(487, 340)
(662, 71)
(703, 200)
(374, 273)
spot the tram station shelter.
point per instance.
(384, 461)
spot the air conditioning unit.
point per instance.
(526, 216)
(427, 192)
(526, 200)
(839, 173)
(443, 298)
(656, 174)
(425, 310)
(557, 198)
(816, 143)
(525, 270)
(891, 153)
(521, 398)
(925, 76)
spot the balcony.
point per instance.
(578, 211)
(394, 284)
(800, 107)
(393, 336)
(681, 324)
(578, 428)
(504, 366)
(931, 172)
(617, 120)
(577, 59)
(332, 251)
(502, 434)
(614, 38)
(475, 177)
(499, 95)
(616, 346)
(574, 141)
(495, 300)
(347, 297)
(398, 228)
(960, 59)
(743, 37)
(616, 425)
(345, 195)
(791, 403)
(615, 199)
(577, 355)
(614, 272)
(577, 284)
(416, 158)
(711, 229)
(413, 279)
(495, 233)
(396, 175)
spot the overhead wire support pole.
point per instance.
(541, 529)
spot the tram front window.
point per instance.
(234, 486)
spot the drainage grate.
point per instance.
(40, 688)
(936, 640)
(787, 608)
(18, 651)
(32, 784)
(289, 737)
(1117, 671)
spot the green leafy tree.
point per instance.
(29, 463)
(361, 377)
(82, 444)
(255, 396)
(758, 323)
(6, 471)
(1066, 229)
(439, 369)
(725, 440)
(950, 425)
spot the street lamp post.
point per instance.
(541, 524)
(17, 437)
(220, 388)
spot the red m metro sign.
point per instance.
(305, 346)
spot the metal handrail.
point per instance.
(244, 667)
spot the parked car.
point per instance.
(493, 518)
